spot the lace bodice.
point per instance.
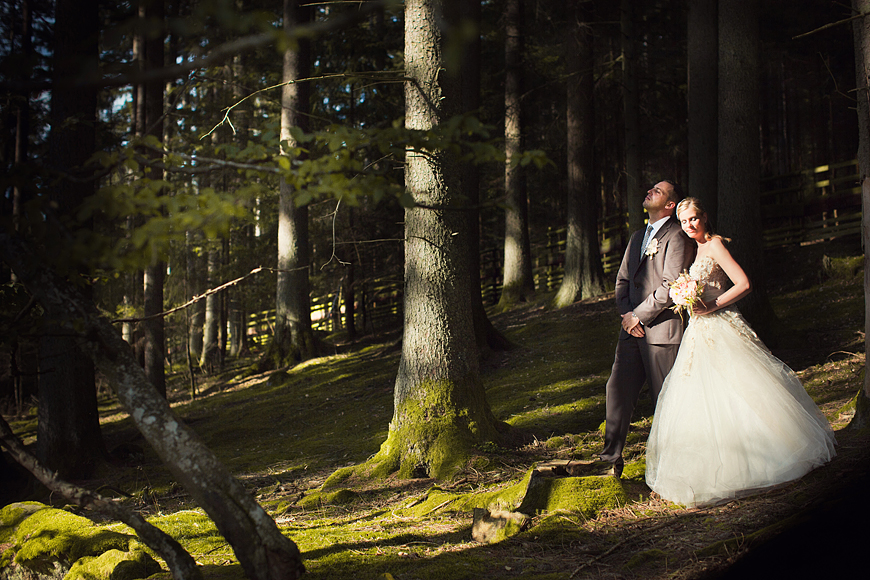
(708, 271)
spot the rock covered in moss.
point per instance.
(114, 565)
(49, 542)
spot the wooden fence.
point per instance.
(812, 205)
(801, 208)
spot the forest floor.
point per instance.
(283, 433)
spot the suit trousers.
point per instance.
(635, 362)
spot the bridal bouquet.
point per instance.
(685, 292)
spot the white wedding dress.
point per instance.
(731, 417)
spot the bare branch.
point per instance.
(831, 25)
(205, 294)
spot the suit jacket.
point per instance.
(643, 282)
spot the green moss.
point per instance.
(586, 496)
(114, 565)
(636, 470)
(338, 477)
(555, 443)
(12, 515)
(51, 535)
(193, 530)
(435, 436)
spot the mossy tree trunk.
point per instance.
(264, 553)
(584, 273)
(861, 35)
(519, 282)
(440, 407)
(294, 339)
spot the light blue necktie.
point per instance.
(646, 238)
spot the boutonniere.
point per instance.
(652, 247)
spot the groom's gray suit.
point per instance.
(642, 285)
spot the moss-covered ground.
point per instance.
(284, 432)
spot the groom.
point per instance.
(651, 331)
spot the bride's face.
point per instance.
(694, 223)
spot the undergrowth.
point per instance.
(282, 433)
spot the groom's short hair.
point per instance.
(677, 194)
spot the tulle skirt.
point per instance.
(731, 418)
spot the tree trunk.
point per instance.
(264, 553)
(518, 280)
(68, 434)
(210, 359)
(631, 105)
(703, 54)
(195, 277)
(861, 35)
(740, 150)
(440, 408)
(155, 274)
(294, 339)
(584, 273)
(486, 335)
(22, 116)
(348, 285)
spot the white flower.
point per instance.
(652, 247)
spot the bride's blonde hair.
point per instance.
(694, 202)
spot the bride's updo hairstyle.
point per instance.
(694, 202)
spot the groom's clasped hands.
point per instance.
(631, 324)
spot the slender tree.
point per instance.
(584, 273)
(861, 36)
(22, 115)
(210, 359)
(486, 335)
(631, 107)
(155, 273)
(518, 281)
(294, 339)
(703, 56)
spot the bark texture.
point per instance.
(294, 339)
(264, 553)
(584, 272)
(518, 281)
(440, 407)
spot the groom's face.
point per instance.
(658, 197)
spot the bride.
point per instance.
(731, 418)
